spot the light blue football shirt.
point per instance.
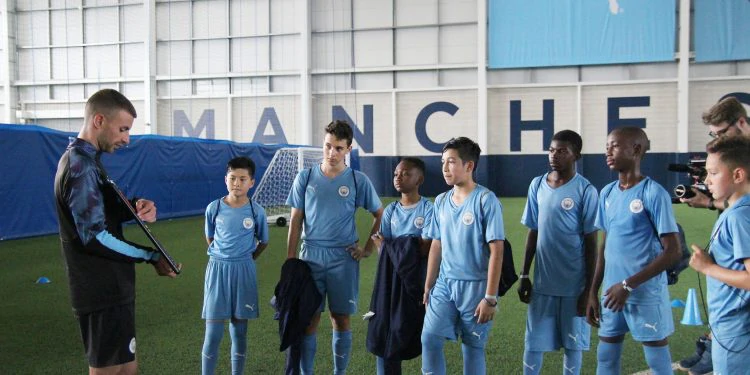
(401, 221)
(562, 216)
(729, 307)
(235, 230)
(629, 218)
(465, 231)
(329, 205)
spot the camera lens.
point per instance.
(683, 191)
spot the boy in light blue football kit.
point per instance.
(639, 243)
(464, 264)
(409, 216)
(560, 213)
(236, 232)
(325, 198)
(727, 262)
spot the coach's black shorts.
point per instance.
(109, 335)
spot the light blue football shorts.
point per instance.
(336, 275)
(551, 324)
(230, 290)
(644, 322)
(450, 311)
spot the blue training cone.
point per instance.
(43, 280)
(692, 315)
(677, 303)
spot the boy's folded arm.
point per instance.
(737, 278)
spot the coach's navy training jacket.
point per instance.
(395, 331)
(100, 274)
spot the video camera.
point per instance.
(696, 170)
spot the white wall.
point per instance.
(238, 57)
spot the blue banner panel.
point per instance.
(539, 33)
(722, 30)
(181, 175)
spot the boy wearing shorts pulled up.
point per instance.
(464, 264)
(236, 232)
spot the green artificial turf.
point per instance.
(38, 334)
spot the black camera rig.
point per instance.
(696, 170)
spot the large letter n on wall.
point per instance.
(182, 123)
(364, 139)
(546, 124)
(420, 127)
(613, 111)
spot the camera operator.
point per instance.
(727, 117)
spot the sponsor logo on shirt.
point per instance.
(248, 223)
(636, 206)
(468, 218)
(344, 191)
(311, 189)
(419, 222)
(567, 204)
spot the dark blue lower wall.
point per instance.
(510, 175)
(182, 175)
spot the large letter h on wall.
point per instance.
(546, 124)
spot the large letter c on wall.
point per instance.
(420, 127)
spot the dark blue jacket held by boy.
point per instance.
(297, 301)
(395, 331)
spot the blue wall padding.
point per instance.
(182, 175)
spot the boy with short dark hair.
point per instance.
(560, 213)
(237, 233)
(727, 262)
(325, 198)
(464, 264)
(409, 216)
(639, 242)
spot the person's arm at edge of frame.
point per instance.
(589, 258)
(295, 231)
(703, 263)
(485, 311)
(593, 308)
(525, 288)
(433, 268)
(616, 295)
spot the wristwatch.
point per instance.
(711, 205)
(626, 286)
(490, 299)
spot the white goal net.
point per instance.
(276, 183)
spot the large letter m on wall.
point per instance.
(184, 128)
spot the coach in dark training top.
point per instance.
(98, 260)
